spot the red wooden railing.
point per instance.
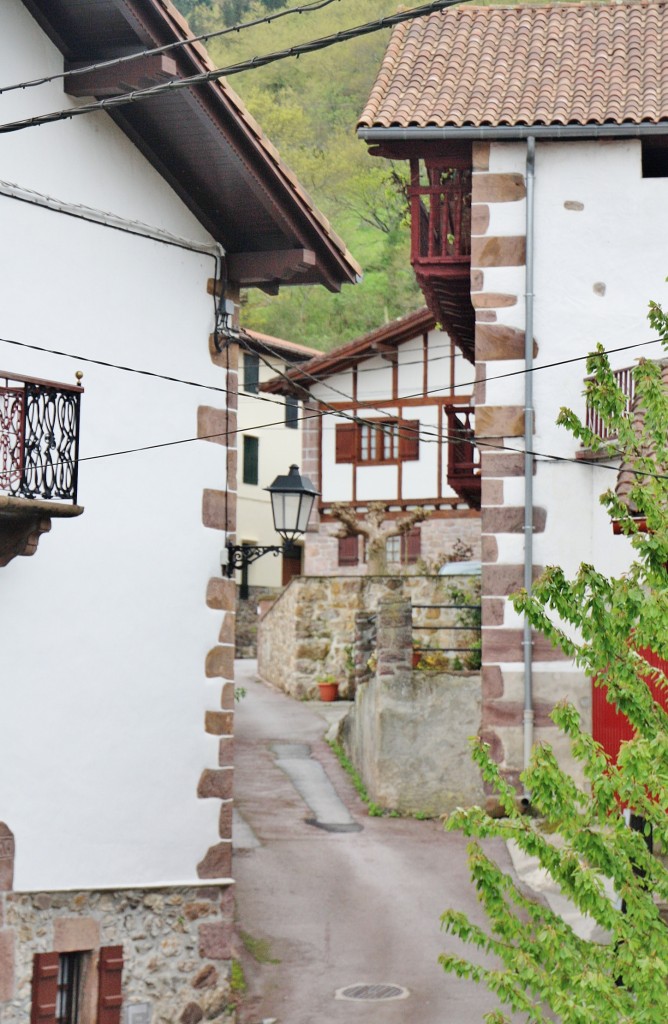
(624, 380)
(463, 454)
(440, 215)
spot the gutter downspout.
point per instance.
(528, 444)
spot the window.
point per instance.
(251, 451)
(381, 441)
(349, 550)
(291, 411)
(59, 984)
(251, 372)
(404, 550)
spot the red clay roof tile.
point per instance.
(560, 64)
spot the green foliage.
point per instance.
(259, 949)
(237, 978)
(309, 108)
(540, 968)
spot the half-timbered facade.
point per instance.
(127, 233)
(392, 421)
(559, 148)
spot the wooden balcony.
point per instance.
(624, 380)
(463, 454)
(39, 451)
(440, 205)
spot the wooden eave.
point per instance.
(202, 141)
(382, 341)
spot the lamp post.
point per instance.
(292, 498)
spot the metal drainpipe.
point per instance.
(528, 444)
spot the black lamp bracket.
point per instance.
(240, 555)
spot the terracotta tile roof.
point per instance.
(327, 363)
(558, 64)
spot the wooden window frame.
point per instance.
(292, 412)
(251, 374)
(53, 1000)
(249, 463)
(354, 442)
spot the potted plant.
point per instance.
(328, 687)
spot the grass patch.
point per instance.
(259, 949)
(237, 979)
(374, 810)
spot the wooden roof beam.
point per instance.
(268, 269)
(142, 73)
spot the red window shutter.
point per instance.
(346, 434)
(409, 440)
(349, 550)
(110, 974)
(45, 968)
(412, 546)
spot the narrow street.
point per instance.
(328, 897)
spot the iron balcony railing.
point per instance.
(624, 380)
(39, 438)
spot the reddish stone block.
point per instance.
(215, 506)
(498, 188)
(218, 723)
(493, 300)
(220, 662)
(215, 942)
(499, 421)
(505, 645)
(503, 580)
(490, 549)
(479, 218)
(477, 280)
(206, 978)
(225, 820)
(192, 1014)
(492, 493)
(7, 966)
(221, 594)
(498, 251)
(493, 610)
(485, 316)
(498, 341)
(226, 752)
(211, 424)
(227, 701)
(75, 934)
(217, 862)
(510, 519)
(480, 156)
(226, 635)
(215, 783)
(492, 682)
(7, 850)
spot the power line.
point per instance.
(179, 44)
(298, 50)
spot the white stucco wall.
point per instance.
(279, 447)
(104, 631)
(596, 269)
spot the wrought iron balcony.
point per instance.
(463, 454)
(39, 438)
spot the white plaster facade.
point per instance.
(279, 446)
(105, 631)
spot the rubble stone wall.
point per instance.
(311, 629)
(177, 947)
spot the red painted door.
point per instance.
(610, 728)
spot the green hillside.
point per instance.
(309, 107)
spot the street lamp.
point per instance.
(292, 498)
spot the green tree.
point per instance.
(542, 969)
(309, 108)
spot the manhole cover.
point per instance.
(375, 992)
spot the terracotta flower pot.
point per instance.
(328, 691)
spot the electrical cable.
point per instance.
(156, 50)
(313, 46)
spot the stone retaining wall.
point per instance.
(408, 731)
(311, 629)
(176, 948)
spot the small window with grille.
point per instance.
(251, 373)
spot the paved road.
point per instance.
(336, 898)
